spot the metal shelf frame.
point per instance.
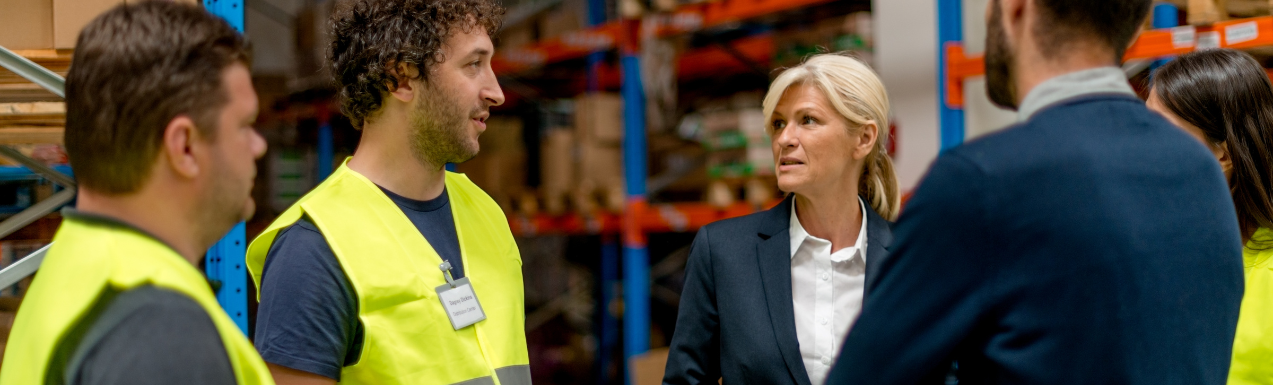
(1167, 39)
(56, 84)
(224, 262)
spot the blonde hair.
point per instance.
(857, 93)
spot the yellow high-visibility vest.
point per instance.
(1253, 346)
(86, 259)
(394, 272)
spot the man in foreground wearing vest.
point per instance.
(394, 271)
(159, 133)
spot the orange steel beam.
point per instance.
(572, 45)
(1236, 34)
(611, 35)
(713, 60)
(692, 17)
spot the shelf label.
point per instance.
(1208, 40)
(675, 219)
(1183, 37)
(588, 40)
(1241, 32)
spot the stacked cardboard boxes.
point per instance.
(556, 169)
(740, 154)
(500, 167)
(1202, 12)
(599, 132)
(50, 24)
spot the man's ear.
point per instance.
(1013, 16)
(405, 73)
(178, 147)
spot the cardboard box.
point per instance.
(516, 36)
(752, 123)
(647, 368)
(563, 20)
(502, 134)
(28, 24)
(70, 16)
(720, 121)
(599, 118)
(502, 175)
(601, 164)
(1207, 11)
(557, 161)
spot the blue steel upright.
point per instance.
(607, 325)
(224, 262)
(1166, 15)
(636, 258)
(950, 29)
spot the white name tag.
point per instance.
(461, 303)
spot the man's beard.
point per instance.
(1000, 86)
(438, 134)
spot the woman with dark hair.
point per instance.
(1224, 98)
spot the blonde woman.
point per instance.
(768, 297)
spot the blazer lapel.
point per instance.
(773, 255)
(879, 237)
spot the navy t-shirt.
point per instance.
(308, 318)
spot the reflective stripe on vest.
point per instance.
(86, 259)
(408, 338)
(511, 375)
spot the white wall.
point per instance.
(980, 115)
(906, 57)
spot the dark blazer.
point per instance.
(736, 318)
(1093, 244)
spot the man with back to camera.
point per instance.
(160, 108)
(1090, 243)
(394, 271)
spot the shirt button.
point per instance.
(822, 321)
(826, 276)
(826, 360)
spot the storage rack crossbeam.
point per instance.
(955, 66)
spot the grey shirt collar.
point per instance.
(1104, 80)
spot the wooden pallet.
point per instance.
(29, 114)
(32, 122)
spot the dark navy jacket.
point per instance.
(1092, 244)
(736, 319)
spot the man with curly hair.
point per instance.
(394, 271)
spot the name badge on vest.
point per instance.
(459, 300)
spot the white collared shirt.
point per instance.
(827, 290)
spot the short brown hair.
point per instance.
(1112, 23)
(135, 68)
(371, 37)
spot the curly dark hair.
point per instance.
(371, 37)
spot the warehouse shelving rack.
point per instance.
(54, 83)
(1165, 40)
(224, 262)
